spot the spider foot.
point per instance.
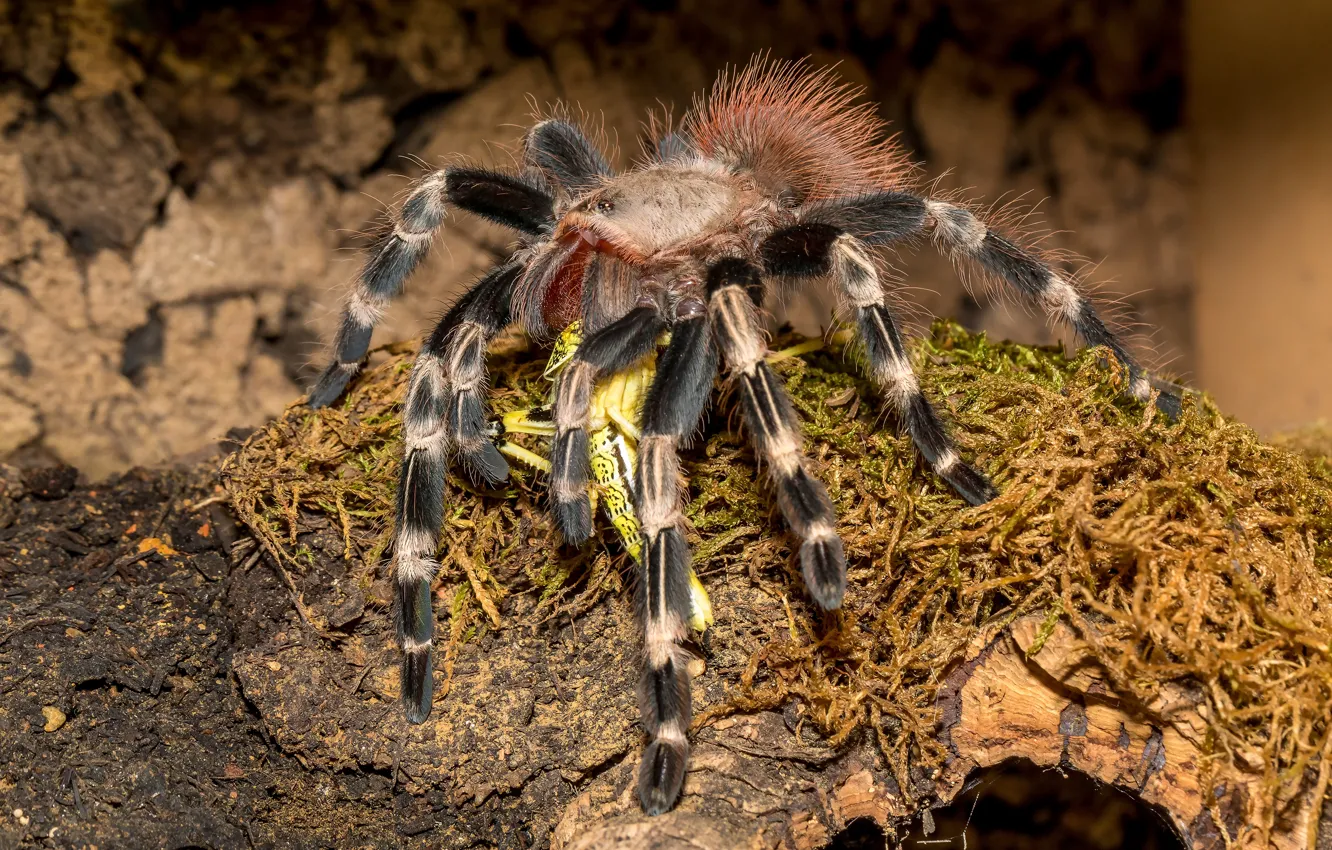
(484, 464)
(970, 483)
(570, 472)
(573, 517)
(331, 384)
(418, 683)
(1169, 400)
(823, 564)
(661, 774)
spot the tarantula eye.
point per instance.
(605, 206)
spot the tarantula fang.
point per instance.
(777, 177)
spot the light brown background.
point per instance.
(1261, 76)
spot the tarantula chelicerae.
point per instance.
(776, 179)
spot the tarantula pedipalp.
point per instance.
(777, 176)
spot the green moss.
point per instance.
(1189, 545)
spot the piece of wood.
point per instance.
(921, 673)
(1056, 709)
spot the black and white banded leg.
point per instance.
(879, 218)
(671, 413)
(965, 237)
(891, 368)
(521, 202)
(774, 429)
(445, 413)
(847, 259)
(616, 346)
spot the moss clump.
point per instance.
(1183, 552)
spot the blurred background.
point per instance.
(182, 184)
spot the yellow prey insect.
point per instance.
(616, 403)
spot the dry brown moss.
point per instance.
(1187, 552)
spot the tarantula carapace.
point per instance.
(776, 179)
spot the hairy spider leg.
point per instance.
(557, 158)
(848, 261)
(811, 248)
(774, 428)
(521, 202)
(675, 403)
(964, 237)
(835, 237)
(615, 347)
(890, 366)
(444, 412)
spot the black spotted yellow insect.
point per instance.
(612, 448)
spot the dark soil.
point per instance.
(158, 747)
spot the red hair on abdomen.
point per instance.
(800, 132)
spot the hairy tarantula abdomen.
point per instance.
(778, 176)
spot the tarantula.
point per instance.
(774, 180)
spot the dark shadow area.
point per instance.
(1018, 806)
(860, 834)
